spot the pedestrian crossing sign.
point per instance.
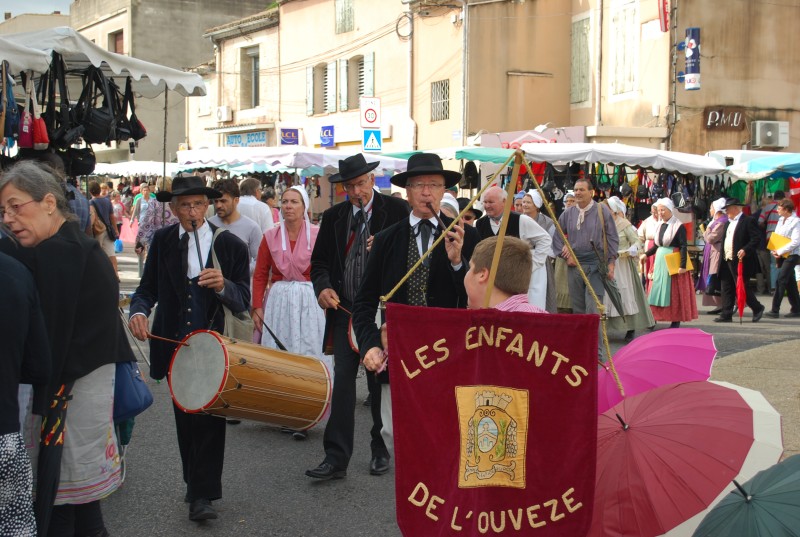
(372, 140)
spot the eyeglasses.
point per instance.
(13, 209)
(423, 186)
(197, 205)
(359, 185)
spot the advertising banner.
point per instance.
(692, 81)
(495, 421)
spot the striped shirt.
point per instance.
(518, 303)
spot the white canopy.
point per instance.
(290, 156)
(21, 58)
(135, 167)
(638, 157)
(150, 79)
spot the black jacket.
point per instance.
(164, 282)
(746, 237)
(328, 257)
(387, 264)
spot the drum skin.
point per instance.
(225, 377)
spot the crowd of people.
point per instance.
(312, 290)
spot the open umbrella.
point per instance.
(609, 285)
(665, 456)
(767, 505)
(741, 292)
(656, 359)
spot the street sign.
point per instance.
(372, 140)
(370, 112)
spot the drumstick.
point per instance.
(175, 341)
(339, 306)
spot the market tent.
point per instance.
(22, 58)
(135, 167)
(619, 154)
(149, 79)
(494, 155)
(775, 166)
(289, 156)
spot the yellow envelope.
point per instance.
(778, 241)
(674, 263)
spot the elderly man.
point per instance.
(337, 266)
(739, 246)
(251, 206)
(189, 294)
(584, 225)
(437, 282)
(522, 227)
(227, 216)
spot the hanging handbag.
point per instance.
(25, 139)
(41, 140)
(136, 127)
(79, 161)
(131, 394)
(99, 121)
(237, 325)
(11, 117)
(62, 128)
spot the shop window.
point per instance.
(624, 46)
(250, 87)
(344, 16)
(116, 42)
(580, 76)
(440, 100)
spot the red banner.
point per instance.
(495, 421)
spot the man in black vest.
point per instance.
(190, 295)
(337, 265)
(438, 282)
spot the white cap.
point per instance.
(718, 205)
(536, 197)
(665, 202)
(616, 205)
(569, 194)
(450, 201)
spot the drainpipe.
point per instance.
(598, 76)
(465, 75)
(410, 81)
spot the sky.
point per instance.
(18, 7)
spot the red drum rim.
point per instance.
(221, 384)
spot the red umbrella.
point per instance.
(656, 359)
(741, 293)
(665, 456)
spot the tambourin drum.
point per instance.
(225, 377)
(351, 333)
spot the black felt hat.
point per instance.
(729, 202)
(426, 164)
(352, 167)
(188, 186)
(462, 202)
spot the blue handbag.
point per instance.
(131, 394)
(118, 246)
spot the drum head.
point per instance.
(198, 371)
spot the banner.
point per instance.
(495, 421)
(692, 81)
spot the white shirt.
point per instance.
(728, 244)
(256, 210)
(205, 236)
(789, 227)
(414, 220)
(540, 240)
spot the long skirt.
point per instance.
(293, 314)
(671, 297)
(707, 282)
(16, 488)
(648, 266)
(90, 463)
(636, 313)
(537, 288)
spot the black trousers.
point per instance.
(201, 441)
(340, 431)
(786, 282)
(727, 278)
(72, 520)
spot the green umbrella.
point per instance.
(767, 505)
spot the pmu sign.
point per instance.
(370, 112)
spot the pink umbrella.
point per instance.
(656, 359)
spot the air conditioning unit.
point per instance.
(224, 113)
(770, 134)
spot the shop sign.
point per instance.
(724, 118)
(247, 139)
(326, 136)
(290, 136)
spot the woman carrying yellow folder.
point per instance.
(786, 243)
(671, 296)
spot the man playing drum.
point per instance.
(337, 264)
(189, 293)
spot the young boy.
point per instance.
(510, 291)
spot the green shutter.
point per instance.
(343, 65)
(309, 91)
(369, 74)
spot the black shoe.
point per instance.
(368, 400)
(715, 311)
(201, 510)
(792, 315)
(676, 324)
(629, 336)
(232, 421)
(300, 435)
(326, 471)
(772, 314)
(379, 465)
(758, 315)
(722, 319)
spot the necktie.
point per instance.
(183, 246)
(358, 220)
(425, 227)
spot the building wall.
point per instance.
(31, 22)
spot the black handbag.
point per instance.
(138, 131)
(63, 128)
(131, 394)
(99, 121)
(78, 161)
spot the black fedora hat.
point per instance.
(426, 164)
(352, 167)
(188, 186)
(462, 202)
(729, 202)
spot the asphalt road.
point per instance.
(265, 490)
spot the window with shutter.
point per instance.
(368, 88)
(624, 46)
(330, 88)
(440, 100)
(580, 80)
(309, 91)
(343, 85)
(344, 16)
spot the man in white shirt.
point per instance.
(251, 206)
(227, 216)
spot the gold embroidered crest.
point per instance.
(493, 421)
